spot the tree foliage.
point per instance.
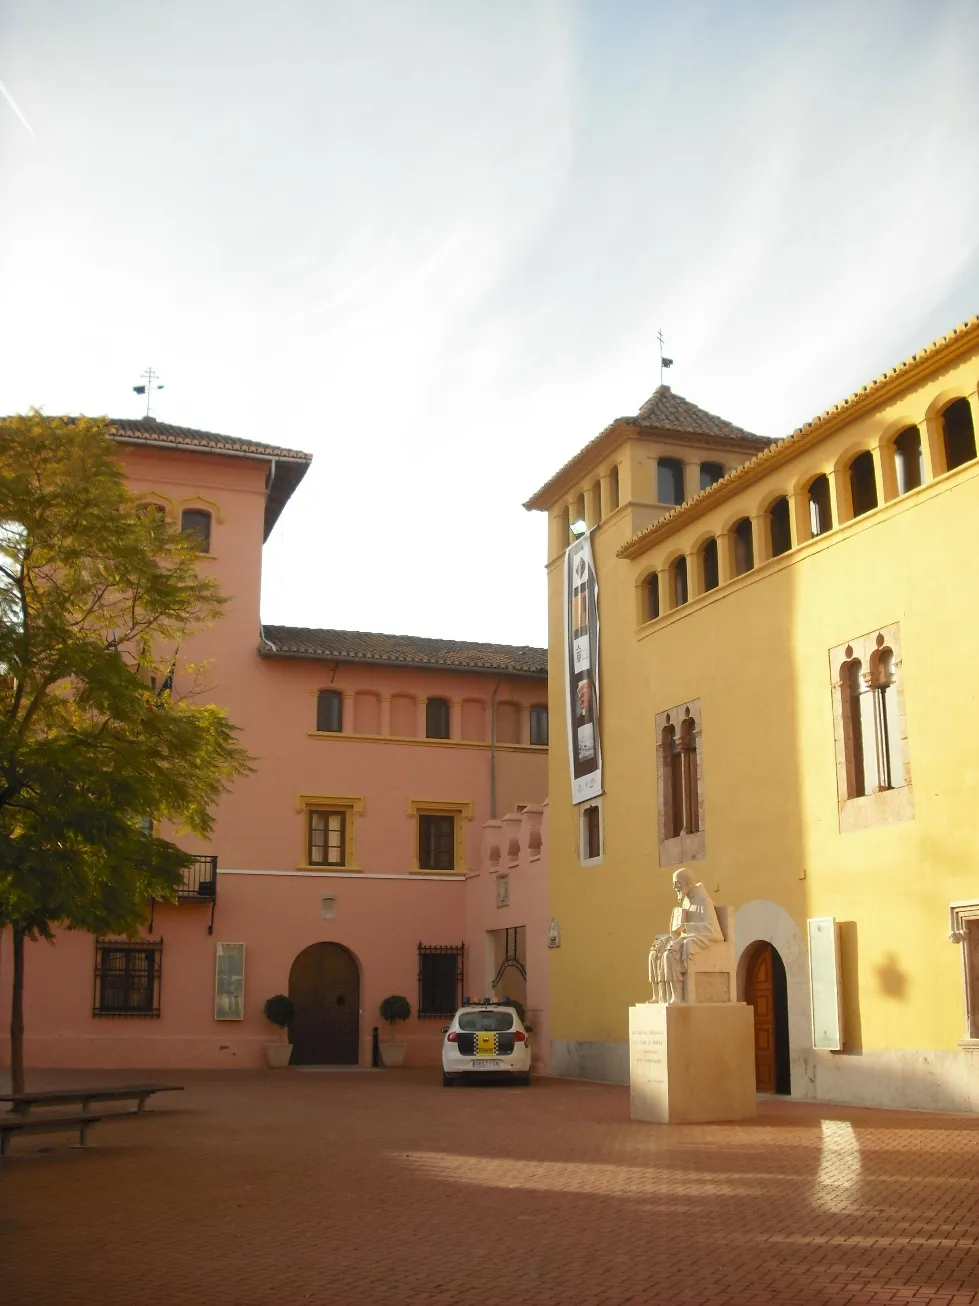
(96, 596)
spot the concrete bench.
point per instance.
(13, 1123)
(23, 1104)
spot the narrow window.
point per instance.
(596, 498)
(672, 783)
(579, 508)
(887, 730)
(197, 522)
(710, 474)
(437, 718)
(779, 529)
(908, 460)
(436, 843)
(820, 511)
(669, 480)
(439, 980)
(592, 821)
(708, 561)
(329, 711)
(851, 685)
(327, 839)
(688, 753)
(744, 548)
(652, 596)
(538, 725)
(679, 570)
(613, 488)
(863, 483)
(127, 978)
(565, 526)
(960, 436)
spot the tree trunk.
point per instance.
(17, 1016)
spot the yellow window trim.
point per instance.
(460, 811)
(350, 805)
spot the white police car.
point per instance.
(486, 1038)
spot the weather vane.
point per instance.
(150, 376)
(663, 361)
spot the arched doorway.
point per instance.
(324, 983)
(766, 991)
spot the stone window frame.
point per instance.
(460, 812)
(963, 925)
(687, 846)
(350, 805)
(882, 806)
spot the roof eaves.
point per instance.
(269, 650)
(883, 386)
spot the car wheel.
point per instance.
(523, 1079)
(448, 1080)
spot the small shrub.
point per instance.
(279, 1010)
(395, 1008)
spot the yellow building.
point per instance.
(787, 706)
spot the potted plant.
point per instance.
(279, 1010)
(394, 1009)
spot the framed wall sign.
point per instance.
(824, 983)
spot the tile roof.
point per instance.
(662, 411)
(401, 650)
(876, 391)
(666, 411)
(288, 466)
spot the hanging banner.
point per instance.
(581, 661)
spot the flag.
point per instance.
(139, 389)
(666, 362)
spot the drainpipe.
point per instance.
(496, 690)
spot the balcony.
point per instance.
(200, 881)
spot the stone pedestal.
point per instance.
(693, 1063)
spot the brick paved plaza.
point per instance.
(363, 1187)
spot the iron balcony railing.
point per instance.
(200, 880)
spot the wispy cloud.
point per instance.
(13, 104)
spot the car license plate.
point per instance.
(484, 1063)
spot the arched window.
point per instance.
(329, 711)
(779, 529)
(672, 783)
(437, 718)
(708, 563)
(908, 461)
(679, 574)
(887, 729)
(688, 765)
(851, 685)
(565, 526)
(596, 498)
(198, 521)
(579, 508)
(669, 480)
(651, 589)
(157, 509)
(613, 488)
(820, 511)
(710, 474)
(863, 483)
(744, 548)
(960, 436)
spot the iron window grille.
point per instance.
(127, 977)
(538, 726)
(439, 980)
(436, 843)
(327, 844)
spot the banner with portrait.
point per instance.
(581, 662)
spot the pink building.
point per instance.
(380, 847)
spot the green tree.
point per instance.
(96, 594)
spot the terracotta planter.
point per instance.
(278, 1054)
(393, 1054)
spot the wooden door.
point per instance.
(760, 993)
(325, 986)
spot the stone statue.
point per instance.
(694, 925)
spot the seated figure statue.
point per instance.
(693, 925)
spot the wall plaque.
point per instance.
(824, 983)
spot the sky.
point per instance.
(433, 243)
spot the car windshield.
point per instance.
(485, 1022)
